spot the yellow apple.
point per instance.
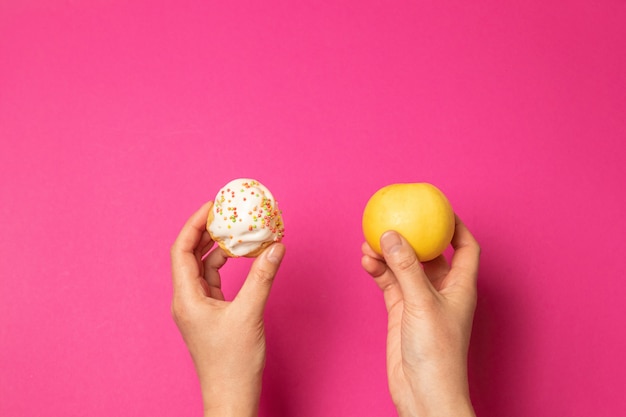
(418, 211)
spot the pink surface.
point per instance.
(118, 120)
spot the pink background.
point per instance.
(119, 119)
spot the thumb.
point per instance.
(256, 289)
(403, 262)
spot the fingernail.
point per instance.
(390, 242)
(275, 254)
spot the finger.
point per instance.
(256, 289)
(212, 264)
(373, 266)
(402, 261)
(436, 271)
(464, 264)
(203, 249)
(185, 266)
(367, 250)
(204, 246)
(384, 278)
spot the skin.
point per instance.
(430, 312)
(226, 339)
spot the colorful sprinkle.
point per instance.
(246, 213)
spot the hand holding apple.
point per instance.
(430, 305)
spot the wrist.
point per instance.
(232, 410)
(230, 407)
(231, 398)
(460, 408)
(448, 398)
(445, 404)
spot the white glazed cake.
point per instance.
(245, 218)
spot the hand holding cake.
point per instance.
(226, 339)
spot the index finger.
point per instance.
(466, 252)
(185, 265)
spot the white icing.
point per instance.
(245, 216)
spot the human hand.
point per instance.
(226, 339)
(430, 312)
